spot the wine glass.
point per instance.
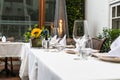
(78, 32)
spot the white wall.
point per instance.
(97, 15)
(113, 1)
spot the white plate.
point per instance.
(70, 46)
(110, 59)
(91, 50)
(70, 51)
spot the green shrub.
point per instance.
(75, 11)
(110, 35)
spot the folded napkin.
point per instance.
(115, 48)
(63, 41)
(3, 39)
(115, 52)
(54, 40)
(115, 43)
(81, 43)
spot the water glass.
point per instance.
(60, 47)
(85, 53)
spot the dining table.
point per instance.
(52, 64)
(58, 65)
(14, 49)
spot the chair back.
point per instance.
(98, 43)
(11, 39)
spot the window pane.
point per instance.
(116, 23)
(118, 10)
(17, 16)
(113, 11)
(50, 10)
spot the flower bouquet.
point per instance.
(36, 35)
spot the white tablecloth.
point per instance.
(10, 49)
(62, 66)
(23, 73)
(16, 49)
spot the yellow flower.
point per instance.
(36, 32)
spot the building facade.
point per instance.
(102, 13)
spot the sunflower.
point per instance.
(36, 32)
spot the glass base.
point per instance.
(76, 58)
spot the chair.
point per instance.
(70, 41)
(11, 39)
(98, 43)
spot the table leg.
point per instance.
(6, 70)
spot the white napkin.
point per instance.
(3, 39)
(115, 52)
(80, 44)
(115, 48)
(53, 40)
(115, 43)
(63, 41)
(82, 41)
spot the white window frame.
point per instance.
(114, 4)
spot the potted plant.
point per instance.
(36, 35)
(110, 35)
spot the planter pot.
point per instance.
(36, 42)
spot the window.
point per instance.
(16, 16)
(50, 10)
(115, 15)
